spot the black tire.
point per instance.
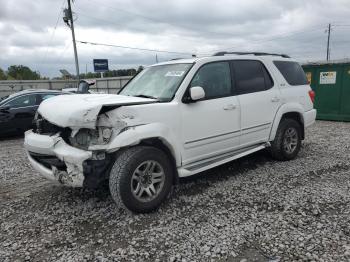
(121, 178)
(278, 150)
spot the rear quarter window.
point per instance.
(292, 72)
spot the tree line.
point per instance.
(113, 73)
(21, 72)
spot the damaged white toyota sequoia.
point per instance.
(173, 120)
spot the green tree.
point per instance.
(2, 75)
(140, 69)
(20, 72)
(113, 73)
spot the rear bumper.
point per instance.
(309, 117)
(55, 160)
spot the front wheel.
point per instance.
(287, 142)
(141, 178)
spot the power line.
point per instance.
(340, 41)
(160, 21)
(191, 40)
(135, 48)
(54, 31)
(341, 25)
(82, 14)
(68, 19)
(276, 37)
(63, 52)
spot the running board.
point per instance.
(201, 166)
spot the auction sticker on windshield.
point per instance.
(175, 73)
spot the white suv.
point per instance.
(173, 120)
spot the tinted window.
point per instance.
(268, 79)
(251, 76)
(292, 72)
(22, 101)
(46, 96)
(215, 78)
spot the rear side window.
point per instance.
(251, 76)
(292, 72)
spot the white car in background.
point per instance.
(173, 120)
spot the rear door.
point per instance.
(259, 100)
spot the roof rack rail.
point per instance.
(222, 53)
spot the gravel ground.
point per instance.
(252, 209)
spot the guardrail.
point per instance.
(109, 85)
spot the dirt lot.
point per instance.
(253, 209)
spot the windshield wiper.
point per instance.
(146, 96)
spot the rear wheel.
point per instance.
(286, 145)
(141, 178)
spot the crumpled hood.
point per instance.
(82, 110)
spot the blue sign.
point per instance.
(100, 65)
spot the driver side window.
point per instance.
(23, 101)
(215, 79)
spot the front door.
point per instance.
(211, 126)
(5, 118)
(22, 111)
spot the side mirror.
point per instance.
(197, 93)
(83, 87)
(4, 108)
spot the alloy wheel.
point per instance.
(290, 141)
(147, 181)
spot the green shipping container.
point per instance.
(331, 83)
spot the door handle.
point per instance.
(230, 107)
(275, 99)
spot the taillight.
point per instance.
(312, 95)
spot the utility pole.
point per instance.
(328, 39)
(68, 17)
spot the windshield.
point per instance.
(159, 82)
(2, 99)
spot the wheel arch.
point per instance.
(293, 111)
(166, 148)
(155, 135)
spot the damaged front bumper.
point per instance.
(54, 159)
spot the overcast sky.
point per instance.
(29, 34)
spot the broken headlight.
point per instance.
(106, 129)
(88, 137)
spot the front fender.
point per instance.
(283, 109)
(134, 135)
